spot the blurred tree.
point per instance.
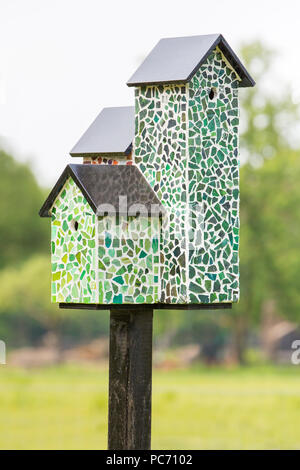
(22, 232)
(26, 289)
(269, 255)
(25, 299)
(270, 196)
(268, 116)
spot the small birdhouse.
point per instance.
(151, 216)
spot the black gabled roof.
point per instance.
(111, 132)
(103, 184)
(176, 60)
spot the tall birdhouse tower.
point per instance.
(186, 146)
(151, 216)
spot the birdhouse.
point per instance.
(151, 216)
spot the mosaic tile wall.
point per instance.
(160, 153)
(73, 248)
(128, 260)
(202, 116)
(213, 181)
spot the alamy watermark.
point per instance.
(295, 357)
(185, 223)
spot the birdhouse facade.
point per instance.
(102, 259)
(152, 214)
(73, 258)
(104, 248)
(186, 145)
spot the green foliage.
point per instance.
(26, 289)
(270, 220)
(22, 232)
(268, 117)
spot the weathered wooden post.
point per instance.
(150, 220)
(130, 378)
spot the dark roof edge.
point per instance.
(68, 171)
(101, 154)
(231, 57)
(44, 210)
(124, 153)
(229, 54)
(166, 82)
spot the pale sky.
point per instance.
(62, 61)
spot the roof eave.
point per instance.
(44, 210)
(230, 55)
(161, 82)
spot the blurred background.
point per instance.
(223, 379)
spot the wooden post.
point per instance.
(130, 378)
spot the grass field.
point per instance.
(66, 408)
